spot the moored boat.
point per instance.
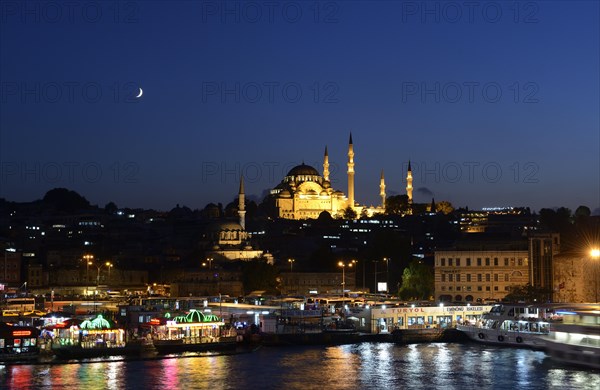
(92, 338)
(18, 343)
(576, 340)
(193, 332)
(516, 325)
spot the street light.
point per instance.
(291, 261)
(87, 277)
(387, 274)
(595, 253)
(375, 287)
(210, 260)
(344, 265)
(88, 260)
(108, 264)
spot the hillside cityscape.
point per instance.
(61, 245)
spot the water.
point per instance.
(356, 366)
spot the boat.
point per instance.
(18, 343)
(91, 338)
(576, 341)
(517, 325)
(192, 332)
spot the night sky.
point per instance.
(495, 103)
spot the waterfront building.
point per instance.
(542, 249)
(386, 318)
(478, 275)
(576, 278)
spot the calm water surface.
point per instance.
(356, 366)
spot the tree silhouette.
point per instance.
(349, 213)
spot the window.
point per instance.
(495, 288)
(479, 261)
(458, 262)
(520, 261)
(458, 277)
(495, 261)
(488, 278)
(450, 276)
(468, 288)
(506, 277)
(506, 261)
(468, 277)
(479, 278)
(468, 261)
(487, 261)
(495, 277)
(443, 277)
(487, 288)
(506, 288)
(443, 288)
(479, 288)
(443, 262)
(450, 262)
(457, 288)
(450, 288)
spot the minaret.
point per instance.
(350, 173)
(432, 206)
(382, 190)
(326, 165)
(242, 204)
(409, 187)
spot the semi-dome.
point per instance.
(303, 169)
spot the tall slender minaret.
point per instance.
(409, 187)
(382, 190)
(326, 165)
(242, 204)
(350, 173)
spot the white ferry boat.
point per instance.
(576, 340)
(516, 325)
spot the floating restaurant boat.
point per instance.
(92, 338)
(193, 332)
(516, 325)
(576, 340)
(18, 343)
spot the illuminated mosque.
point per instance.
(304, 194)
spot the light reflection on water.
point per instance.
(356, 366)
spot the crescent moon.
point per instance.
(140, 94)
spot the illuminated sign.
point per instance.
(21, 333)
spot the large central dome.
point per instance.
(303, 169)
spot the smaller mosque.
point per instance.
(305, 194)
(230, 240)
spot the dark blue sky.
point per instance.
(495, 104)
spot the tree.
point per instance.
(349, 213)
(444, 207)
(110, 208)
(396, 204)
(558, 220)
(583, 211)
(65, 200)
(528, 294)
(417, 281)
